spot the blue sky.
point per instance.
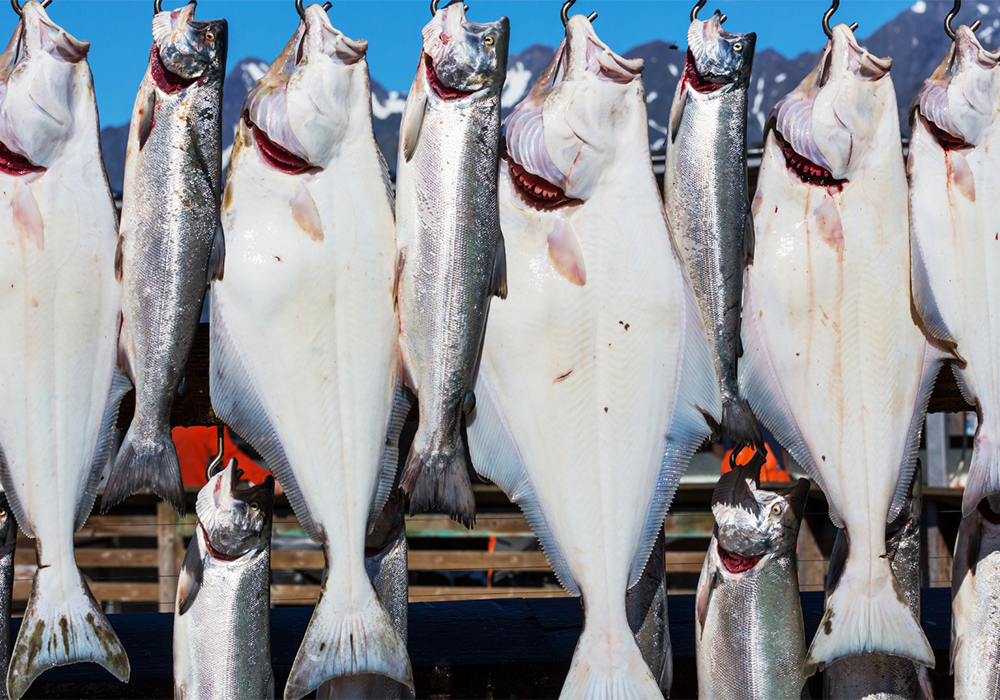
(119, 30)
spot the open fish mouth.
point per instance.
(273, 154)
(736, 563)
(165, 79)
(13, 163)
(807, 171)
(445, 92)
(695, 80)
(536, 190)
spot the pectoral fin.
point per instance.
(217, 261)
(500, 270)
(413, 119)
(191, 576)
(147, 118)
(566, 254)
(677, 113)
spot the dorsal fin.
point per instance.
(734, 487)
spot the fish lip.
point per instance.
(723, 66)
(945, 139)
(274, 155)
(736, 563)
(443, 91)
(166, 80)
(804, 169)
(212, 551)
(523, 179)
(14, 163)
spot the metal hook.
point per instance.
(302, 10)
(17, 6)
(828, 15)
(434, 7)
(700, 4)
(216, 462)
(565, 12)
(951, 16)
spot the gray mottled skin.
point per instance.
(706, 198)
(975, 621)
(884, 676)
(749, 633)
(170, 214)
(222, 626)
(8, 542)
(386, 564)
(448, 233)
(646, 608)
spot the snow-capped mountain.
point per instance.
(914, 39)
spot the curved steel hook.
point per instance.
(565, 12)
(17, 6)
(302, 10)
(216, 462)
(434, 7)
(828, 15)
(951, 16)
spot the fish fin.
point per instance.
(157, 470)
(120, 385)
(192, 573)
(400, 264)
(733, 488)
(860, 618)
(347, 641)
(217, 261)
(963, 573)
(926, 311)
(439, 479)
(759, 385)
(497, 459)
(677, 110)
(984, 470)
(237, 402)
(119, 258)
(739, 423)
(565, 252)
(925, 690)
(147, 118)
(499, 284)
(749, 238)
(704, 597)
(696, 402)
(608, 664)
(413, 119)
(62, 627)
(15, 504)
(390, 451)
(387, 180)
(928, 374)
(796, 498)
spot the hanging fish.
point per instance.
(304, 332)
(646, 608)
(834, 365)
(596, 376)
(954, 196)
(705, 195)
(222, 618)
(169, 230)
(749, 634)
(8, 544)
(451, 259)
(60, 310)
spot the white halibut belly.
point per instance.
(315, 323)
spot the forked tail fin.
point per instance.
(984, 472)
(739, 423)
(440, 479)
(140, 467)
(346, 642)
(609, 665)
(62, 628)
(867, 612)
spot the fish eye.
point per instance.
(210, 36)
(254, 506)
(2, 512)
(738, 46)
(776, 509)
(489, 41)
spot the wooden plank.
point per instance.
(429, 560)
(125, 591)
(443, 593)
(492, 525)
(93, 558)
(811, 564)
(169, 546)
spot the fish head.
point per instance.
(828, 125)
(43, 77)
(754, 525)
(300, 111)
(959, 101)
(563, 136)
(236, 521)
(716, 58)
(186, 51)
(464, 59)
(8, 527)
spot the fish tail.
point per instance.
(739, 423)
(142, 467)
(984, 472)
(867, 612)
(609, 666)
(346, 642)
(439, 478)
(62, 624)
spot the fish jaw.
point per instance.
(830, 120)
(235, 522)
(717, 58)
(461, 58)
(41, 65)
(285, 110)
(959, 100)
(185, 50)
(565, 134)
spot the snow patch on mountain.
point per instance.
(516, 85)
(920, 7)
(393, 104)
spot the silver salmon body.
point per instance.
(451, 255)
(706, 201)
(170, 216)
(646, 608)
(8, 543)
(975, 617)
(60, 309)
(222, 619)
(749, 634)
